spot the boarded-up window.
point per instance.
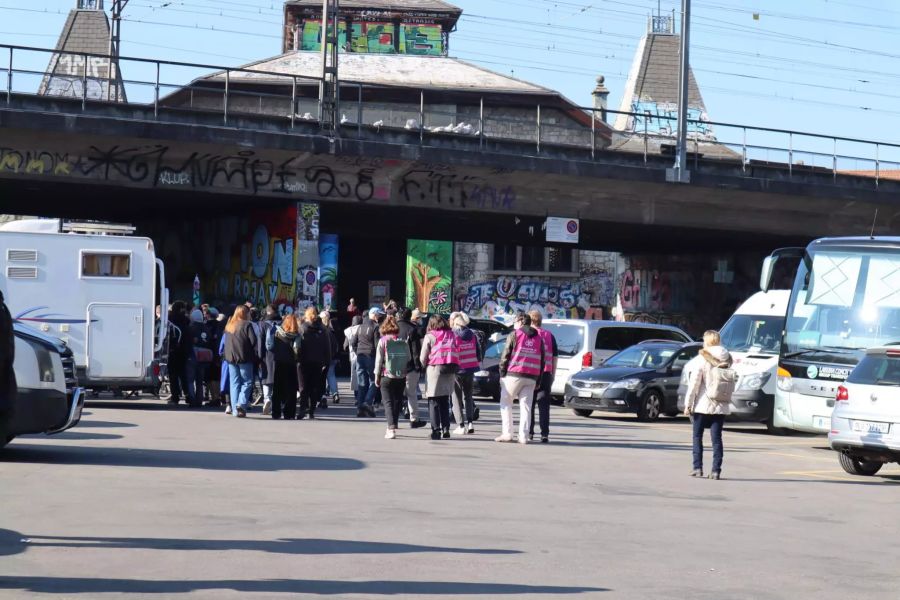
(101, 264)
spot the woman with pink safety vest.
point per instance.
(440, 357)
(521, 366)
(470, 355)
(544, 386)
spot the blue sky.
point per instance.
(824, 66)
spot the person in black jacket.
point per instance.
(409, 331)
(241, 352)
(316, 352)
(284, 347)
(181, 356)
(267, 328)
(364, 343)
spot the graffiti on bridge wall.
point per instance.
(653, 290)
(661, 118)
(257, 173)
(584, 298)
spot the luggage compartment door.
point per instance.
(115, 341)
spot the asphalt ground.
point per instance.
(141, 500)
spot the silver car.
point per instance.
(865, 424)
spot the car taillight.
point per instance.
(156, 370)
(842, 394)
(587, 360)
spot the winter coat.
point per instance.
(241, 346)
(315, 344)
(437, 382)
(267, 361)
(285, 347)
(349, 333)
(413, 337)
(695, 399)
(510, 346)
(366, 338)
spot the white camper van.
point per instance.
(96, 288)
(753, 336)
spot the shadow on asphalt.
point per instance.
(173, 459)
(74, 435)
(90, 424)
(82, 585)
(11, 542)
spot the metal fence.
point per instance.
(247, 97)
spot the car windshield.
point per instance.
(569, 337)
(644, 357)
(753, 333)
(877, 369)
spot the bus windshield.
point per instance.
(848, 301)
(753, 333)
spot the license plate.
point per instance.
(870, 427)
(822, 422)
(585, 394)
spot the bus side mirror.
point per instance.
(768, 269)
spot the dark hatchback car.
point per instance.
(487, 379)
(642, 379)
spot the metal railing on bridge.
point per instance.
(172, 88)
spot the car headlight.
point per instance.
(482, 373)
(47, 375)
(754, 381)
(628, 384)
(784, 381)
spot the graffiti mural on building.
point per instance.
(328, 269)
(584, 298)
(465, 191)
(429, 275)
(661, 118)
(311, 35)
(655, 291)
(423, 39)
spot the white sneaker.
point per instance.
(267, 407)
(459, 430)
(228, 409)
(503, 438)
(523, 439)
(390, 434)
(470, 428)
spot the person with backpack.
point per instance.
(708, 401)
(521, 366)
(203, 355)
(470, 357)
(316, 353)
(364, 343)
(331, 384)
(440, 356)
(267, 329)
(284, 347)
(409, 332)
(392, 360)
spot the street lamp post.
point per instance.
(679, 173)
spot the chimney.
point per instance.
(601, 95)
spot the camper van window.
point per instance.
(99, 264)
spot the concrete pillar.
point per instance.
(601, 95)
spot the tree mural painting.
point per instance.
(429, 280)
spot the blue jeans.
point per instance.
(365, 380)
(714, 423)
(332, 378)
(241, 379)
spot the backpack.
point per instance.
(721, 384)
(396, 358)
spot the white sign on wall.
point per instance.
(563, 230)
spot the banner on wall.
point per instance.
(261, 266)
(429, 275)
(328, 270)
(307, 234)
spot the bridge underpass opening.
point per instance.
(690, 277)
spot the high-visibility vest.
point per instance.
(468, 353)
(444, 351)
(526, 356)
(547, 338)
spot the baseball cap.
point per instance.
(375, 310)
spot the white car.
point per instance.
(865, 424)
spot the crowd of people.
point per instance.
(391, 349)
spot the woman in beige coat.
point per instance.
(706, 413)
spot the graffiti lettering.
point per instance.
(425, 185)
(583, 298)
(652, 290)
